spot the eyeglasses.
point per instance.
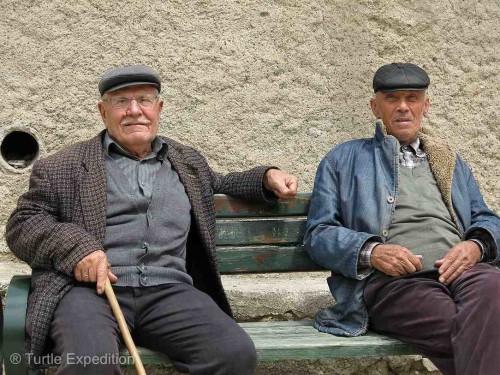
(144, 101)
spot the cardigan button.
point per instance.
(390, 199)
(385, 232)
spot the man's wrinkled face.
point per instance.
(401, 112)
(134, 126)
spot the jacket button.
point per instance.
(390, 199)
(385, 233)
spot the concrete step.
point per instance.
(284, 296)
(293, 296)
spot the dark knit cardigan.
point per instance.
(62, 218)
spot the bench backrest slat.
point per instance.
(259, 237)
(264, 259)
(226, 206)
(263, 231)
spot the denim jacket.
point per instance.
(353, 201)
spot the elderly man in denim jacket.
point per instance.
(400, 221)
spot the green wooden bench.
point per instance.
(251, 238)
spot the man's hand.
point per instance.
(460, 258)
(94, 268)
(395, 260)
(282, 184)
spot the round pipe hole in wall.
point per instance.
(19, 149)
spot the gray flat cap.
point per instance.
(400, 76)
(129, 75)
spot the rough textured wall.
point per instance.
(250, 82)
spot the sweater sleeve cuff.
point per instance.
(364, 260)
(484, 241)
(481, 246)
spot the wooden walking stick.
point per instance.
(117, 311)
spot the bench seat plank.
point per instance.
(148, 357)
(299, 340)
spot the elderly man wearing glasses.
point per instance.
(136, 208)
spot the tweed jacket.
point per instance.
(62, 218)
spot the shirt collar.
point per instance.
(416, 147)
(159, 146)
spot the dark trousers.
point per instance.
(456, 326)
(175, 319)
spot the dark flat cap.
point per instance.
(129, 75)
(400, 76)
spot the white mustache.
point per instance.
(127, 121)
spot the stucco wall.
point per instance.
(251, 82)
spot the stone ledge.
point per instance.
(292, 296)
(8, 269)
(283, 296)
(392, 365)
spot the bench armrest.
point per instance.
(16, 303)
